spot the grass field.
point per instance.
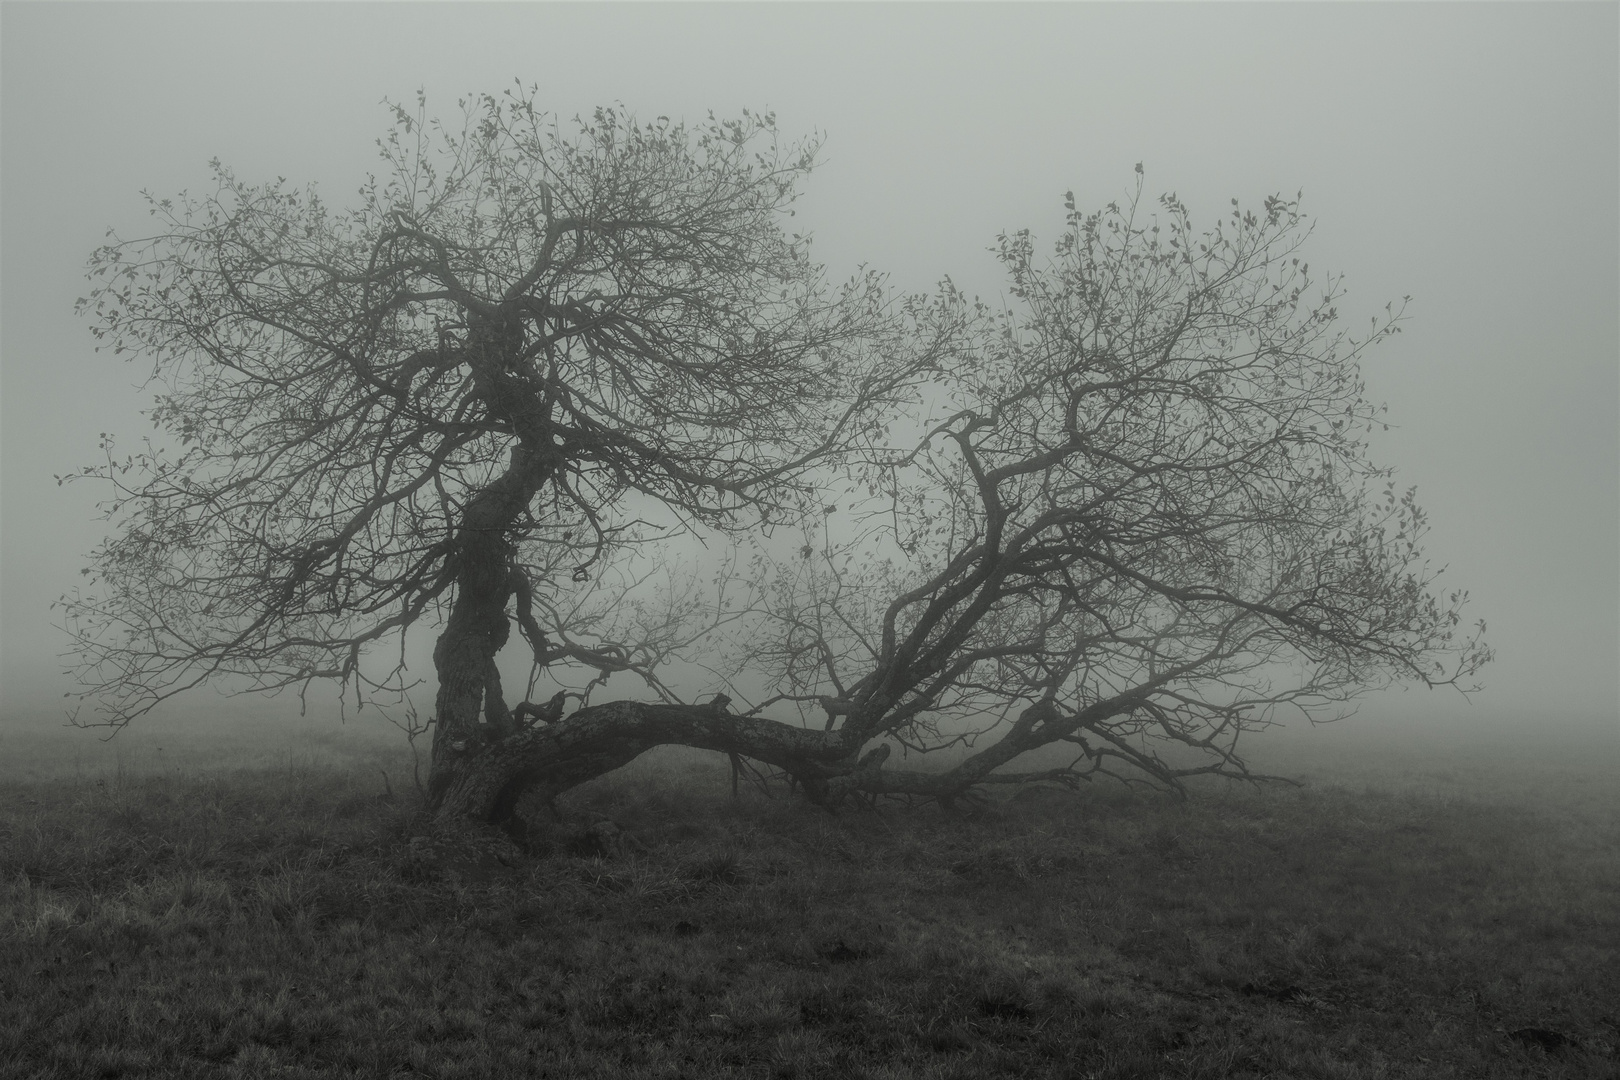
(164, 915)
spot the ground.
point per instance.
(295, 919)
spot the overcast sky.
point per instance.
(1468, 155)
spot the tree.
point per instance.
(1141, 516)
(1129, 508)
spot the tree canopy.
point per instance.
(1131, 507)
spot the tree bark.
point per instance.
(484, 780)
(471, 709)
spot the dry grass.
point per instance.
(286, 921)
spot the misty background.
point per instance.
(1467, 155)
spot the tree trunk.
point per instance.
(484, 780)
(471, 711)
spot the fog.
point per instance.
(1466, 155)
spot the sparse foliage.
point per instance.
(1134, 505)
(1143, 514)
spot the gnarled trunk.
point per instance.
(484, 779)
(471, 711)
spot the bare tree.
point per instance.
(1142, 517)
(1138, 507)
